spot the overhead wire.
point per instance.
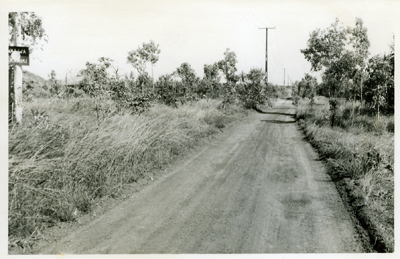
(276, 39)
(276, 57)
(268, 18)
(279, 51)
(260, 22)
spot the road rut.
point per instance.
(258, 188)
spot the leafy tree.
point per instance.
(360, 43)
(325, 46)
(55, 85)
(211, 81)
(253, 92)
(189, 79)
(95, 76)
(294, 92)
(378, 98)
(307, 87)
(358, 40)
(143, 81)
(379, 87)
(166, 89)
(30, 31)
(149, 52)
(228, 68)
(340, 53)
(337, 76)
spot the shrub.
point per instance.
(390, 126)
(128, 98)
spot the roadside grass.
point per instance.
(359, 151)
(70, 154)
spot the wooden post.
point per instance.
(266, 51)
(284, 72)
(11, 92)
(17, 73)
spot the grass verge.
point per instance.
(359, 153)
(70, 154)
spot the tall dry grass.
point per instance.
(65, 158)
(359, 151)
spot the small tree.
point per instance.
(189, 79)
(307, 87)
(55, 85)
(115, 68)
(228, 68)
(166, 89)
(379, 87)
(95, 76)
(211, 80)
(379, 98)
(139, 58)
(253, 91)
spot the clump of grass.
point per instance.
(359, 151)
(64, 161)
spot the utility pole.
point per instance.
(266, 50)
(284, 70)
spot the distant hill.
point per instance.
(31, 78)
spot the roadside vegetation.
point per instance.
(359, 153)
(63, 160)
(349, 119)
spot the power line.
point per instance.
(268, 18)
(276, 39)
(248, 20)
(260, 22)
(279, 52)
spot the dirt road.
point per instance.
(258, 188)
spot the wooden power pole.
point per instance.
(266, 50)
(17, 72)
(284, 72)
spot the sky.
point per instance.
(197, 32)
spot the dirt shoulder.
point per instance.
(257, 188)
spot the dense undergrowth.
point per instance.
(359, 151)
(70, 153)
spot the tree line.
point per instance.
(220, 80)
(341, 54)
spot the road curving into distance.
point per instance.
(257, 188)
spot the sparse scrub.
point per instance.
(63, 161)
(359, 151)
